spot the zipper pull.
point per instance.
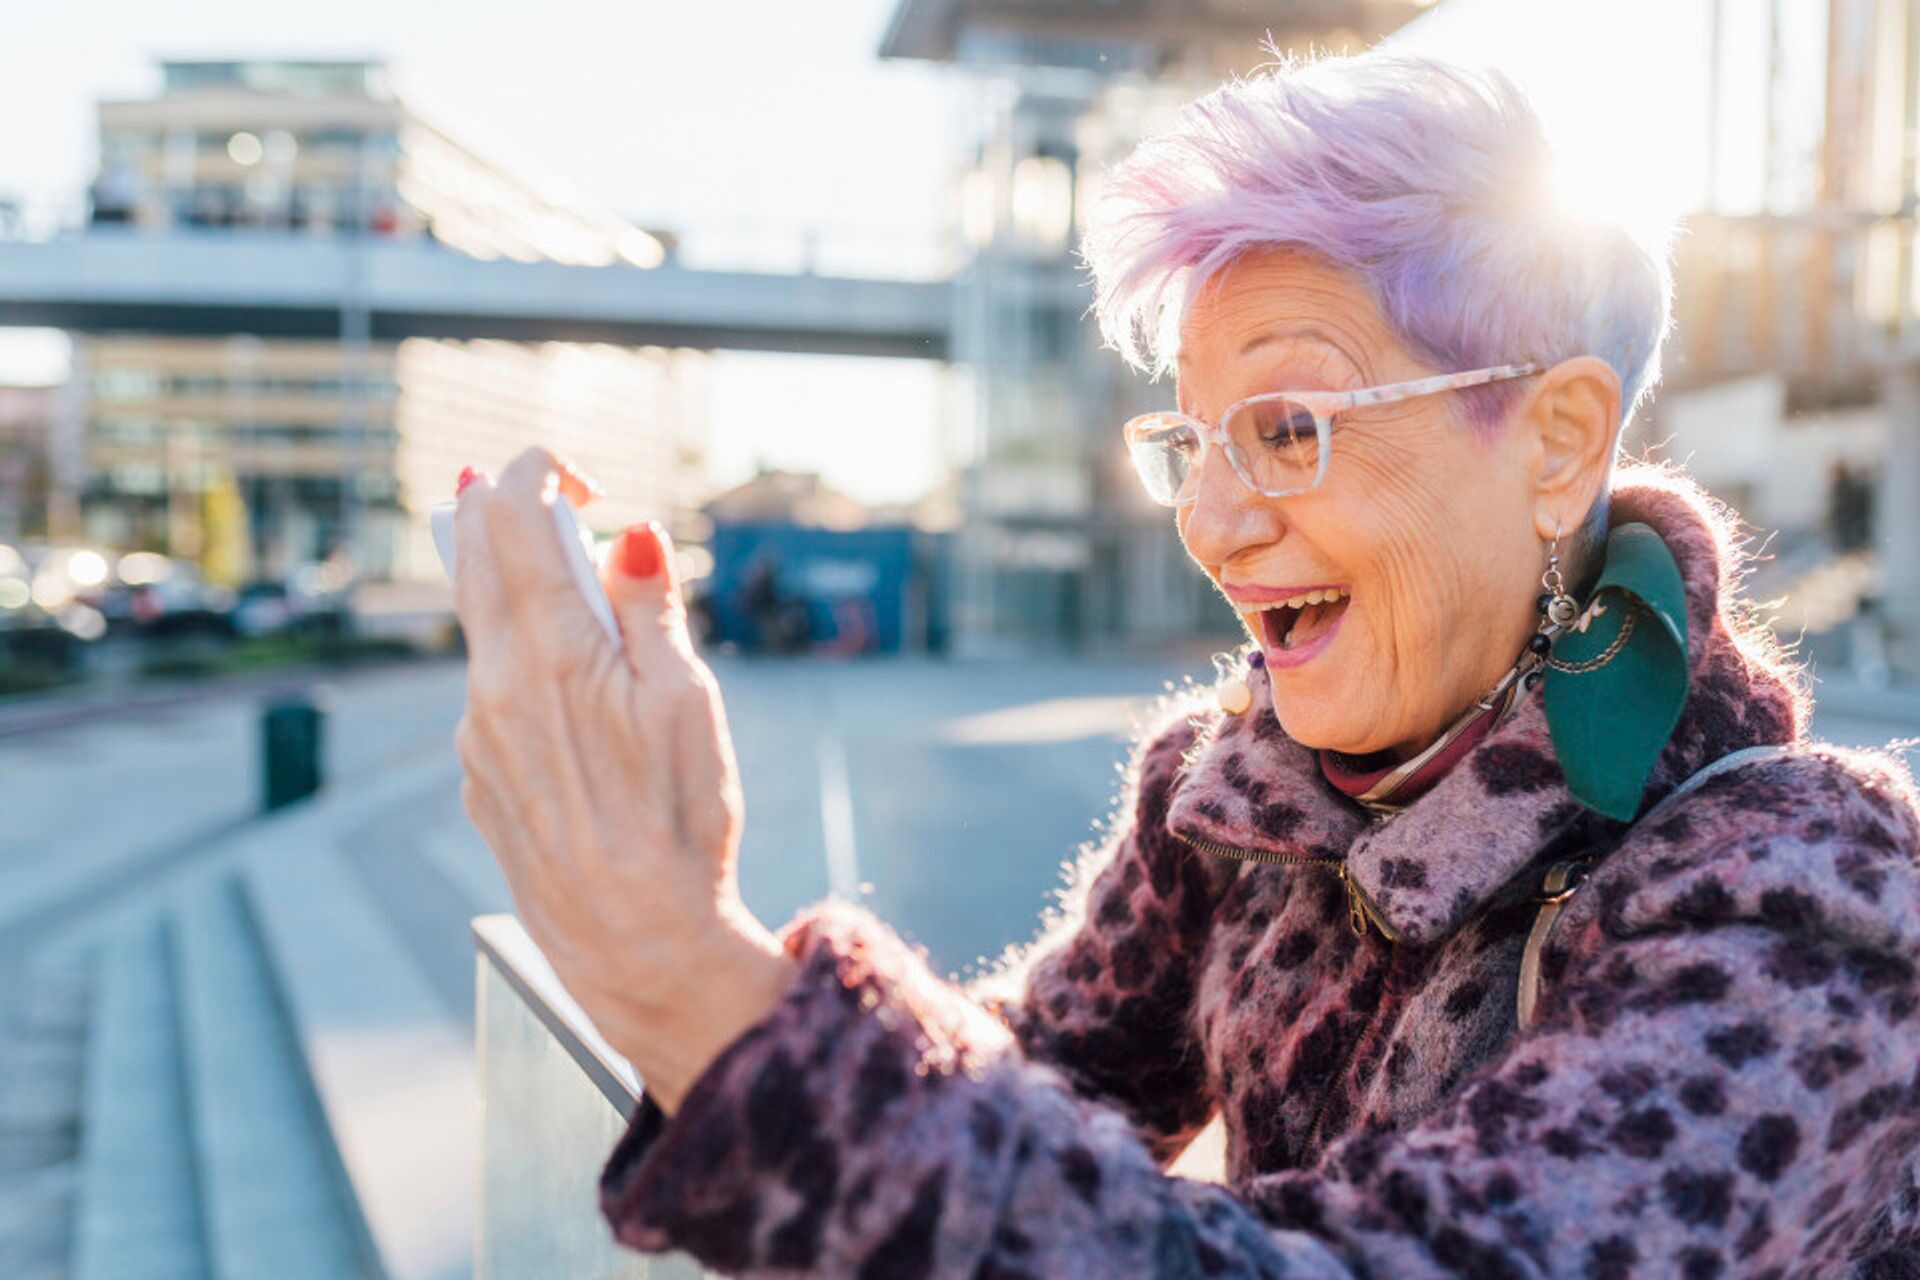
(1356, 909)
(1361, 912)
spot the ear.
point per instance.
(1573, 421)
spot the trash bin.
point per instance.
(289, 750)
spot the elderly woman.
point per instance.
(1497, 900)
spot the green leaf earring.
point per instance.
(1616, 672)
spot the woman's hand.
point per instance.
(603, 778)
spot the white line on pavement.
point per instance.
(836, 820)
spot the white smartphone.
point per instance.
(577, 545)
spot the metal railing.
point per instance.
(843, 248)
(554, 1099)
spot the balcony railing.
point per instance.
(1825, 299)
(554, 1099)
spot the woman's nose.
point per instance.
(1225, 516)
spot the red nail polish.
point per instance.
(467, 476)
(640, 551)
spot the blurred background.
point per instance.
(799, 281)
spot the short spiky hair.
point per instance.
(1428, 180)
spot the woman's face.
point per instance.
(1426, 528)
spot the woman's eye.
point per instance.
(1288, 428)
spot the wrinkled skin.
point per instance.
(602, 776)
(1438, 529)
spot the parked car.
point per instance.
(181, 603)
(264, 608)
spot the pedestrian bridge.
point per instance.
(304, 286)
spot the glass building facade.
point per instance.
(259, 456)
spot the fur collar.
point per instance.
(1505, 806)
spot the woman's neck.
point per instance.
(1487, 684)
(1387, 781)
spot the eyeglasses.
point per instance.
(1279, 442)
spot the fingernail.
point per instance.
(640, 550)
(467, 476)
(575, 470)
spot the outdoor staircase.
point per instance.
(259, 1070)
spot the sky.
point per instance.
(1623, 89)
(753, 120)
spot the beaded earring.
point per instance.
(1557, 611)
(1556, 605)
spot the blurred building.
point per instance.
(1793, 374)
(256, 454)
(1058, 544)
(26, 429)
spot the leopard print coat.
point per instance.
(1722, 1075)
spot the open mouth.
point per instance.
(1296, 621)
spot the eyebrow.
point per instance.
(1279, 335)
(1284, 335)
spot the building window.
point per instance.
(121, 146)
(125, 384)
(132, 432)
(139, 478)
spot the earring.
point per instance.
(1559, 608)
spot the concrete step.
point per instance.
(138, 1216)
(42, 1047)
(43, 1028)
(36, 1208)
(272, 1198)
(392, 1067)
(428, 909)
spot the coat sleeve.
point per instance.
(1717, 1093)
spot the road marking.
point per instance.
(836, 820)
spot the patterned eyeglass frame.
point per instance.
(1323, 405)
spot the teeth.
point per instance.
(1325, 596)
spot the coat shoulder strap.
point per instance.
(1569, 874)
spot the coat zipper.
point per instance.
(1360, 912)
(1360, 909)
